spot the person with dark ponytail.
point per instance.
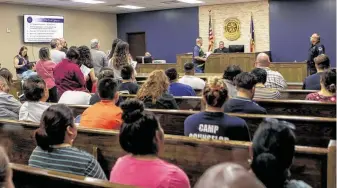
(328, 88)
(143, 138)
(213, 123)
(273, 152)
(54, 149)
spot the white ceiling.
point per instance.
(110, 5)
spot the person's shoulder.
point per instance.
(297, 184)
(177, 177)
(81, 153)
(234, 121)
(194, 117)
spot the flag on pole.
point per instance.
(252, 35)
(210, 33)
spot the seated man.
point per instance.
(312, 82)
(128, 86)
(190, 79)
(30, 72)
(221, 49)
(228, 76)
(274, 78)
(104, 114)
(245, 84)
(9, 106)
(261, 92)
(213, 123)
(36, 94)
(175, 88)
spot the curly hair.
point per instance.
(121, 55)
(85, 56)
(215, 92)
(155, 85)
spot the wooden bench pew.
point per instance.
(277, 107)
(294, 85)
(295, 94)
(194, 156)
(29, 177)
(310, 131)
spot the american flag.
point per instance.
(252, 35)
(211, 34)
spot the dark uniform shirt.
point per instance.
(223, 50)
(314, 51)
(198, 52)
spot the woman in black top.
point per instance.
(154, 92)
(21, 61)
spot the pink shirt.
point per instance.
(45, 70)
(318, 97)
(148, 173)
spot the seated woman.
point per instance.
(273, 152)
(6, 172)
(36, 94)
(154, 92)
(68, 75)
(142, 137)
(328, 88)
(54, 149)
(213, 123)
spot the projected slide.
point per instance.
(42, 29)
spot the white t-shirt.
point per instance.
(194, 82)
(117, 73)
(32, 111)
(57, 56)
(75, 98)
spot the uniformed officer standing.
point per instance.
(315, 50)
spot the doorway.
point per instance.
(137, 44)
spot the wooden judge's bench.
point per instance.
(216, 63)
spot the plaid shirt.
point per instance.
(274, 79)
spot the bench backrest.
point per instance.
(310, 131)
(194, 156)
(277, 107)
(29, 177)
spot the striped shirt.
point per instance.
(274, 79)
(68, 160)
(262, 92)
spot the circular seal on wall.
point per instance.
(232, 29)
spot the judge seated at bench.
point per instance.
(274, 78)
(222, 48)
(213, 123)
(142, 137)
(261, 92)
(312, 82)
(190, 79)
(245, 84)
(176, 88)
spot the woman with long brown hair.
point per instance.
(20, 62)
(154, 92)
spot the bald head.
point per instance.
(228, 175)
(262, 60)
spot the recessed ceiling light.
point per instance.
(89, 1)
(191, 1)
(129, 7)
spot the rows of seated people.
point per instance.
(68, 82)
(142, 137)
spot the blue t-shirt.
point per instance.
(179, 89)
(313, 82)
(216, 125)
(243, 105)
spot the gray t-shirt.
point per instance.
(9, 106)
(57, 56)
(99, 60)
